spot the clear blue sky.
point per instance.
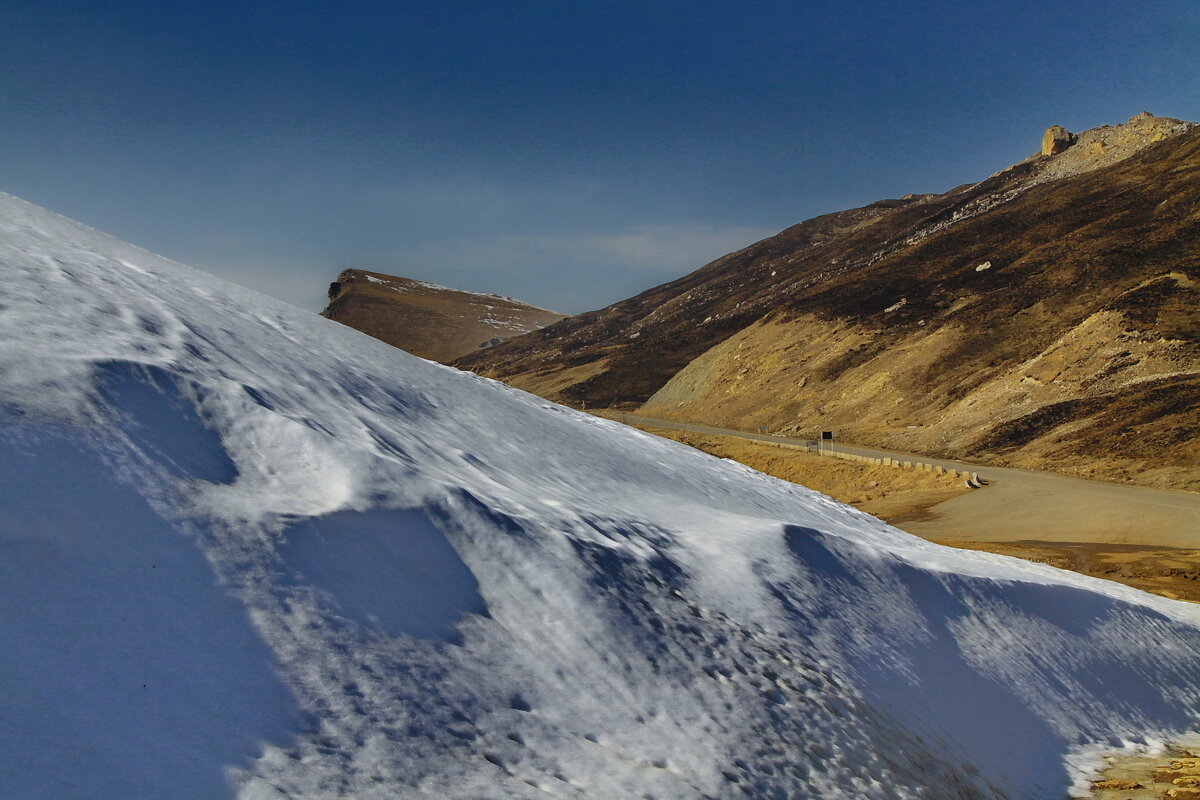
(570, 154)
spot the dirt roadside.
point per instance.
(884, 492)
(1138, 552)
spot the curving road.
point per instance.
(1025, 505)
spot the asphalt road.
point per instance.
(1026, 505)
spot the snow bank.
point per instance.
(250, 552)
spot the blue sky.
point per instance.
(570, 154)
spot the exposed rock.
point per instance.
(1108, 144)
(1056, 139)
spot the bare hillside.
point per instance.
(1047, 316)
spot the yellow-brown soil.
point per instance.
(900, 495)
(1173, 774)
(1091, 404)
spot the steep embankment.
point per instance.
(246, 550)
(1046, 317)
(428, 320)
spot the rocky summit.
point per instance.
(1047, 316)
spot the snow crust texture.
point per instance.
(248, 552)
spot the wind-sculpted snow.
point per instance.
(250, 552)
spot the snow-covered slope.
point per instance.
(248, 551)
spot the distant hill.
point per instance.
(1047, 316)
(428, 320)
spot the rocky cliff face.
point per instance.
(1048, 316)
(428, 320)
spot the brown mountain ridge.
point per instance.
(428, 320)
(1047, 317)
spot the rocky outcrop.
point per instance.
(1104, 146)
(1056, 139)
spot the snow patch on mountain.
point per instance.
(250, 552)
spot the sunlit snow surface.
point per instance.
(246, 551)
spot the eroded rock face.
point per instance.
(1056, 139)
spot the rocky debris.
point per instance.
(1103, 146)
(1056, 139)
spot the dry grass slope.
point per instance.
(1047, 317)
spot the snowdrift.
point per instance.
(249, 552)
